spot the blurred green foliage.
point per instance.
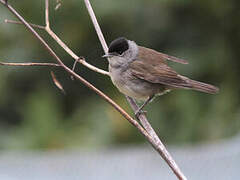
(35, 115)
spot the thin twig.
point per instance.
(47, 14)
(70, 52)
(30, 64)
(96, 25)
(162, 149)
(131, 120)
(63, 45)
(105, 97)
(158, 145)
(17, 22)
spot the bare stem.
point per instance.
(47, 14)
(18, 22)
(96, 25)
(62, 44)
(30, 64)
(162, 149)
(148, 132)
(157, 144)
(105, 97)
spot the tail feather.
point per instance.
(199, 86)
(203, 87)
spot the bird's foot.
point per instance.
(139, 112)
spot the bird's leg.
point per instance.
(139, 111)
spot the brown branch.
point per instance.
(17, 22)
(157, 144)
(96, 25)
(149, 134)
(90, 86)
(70, 52)
(62, 44)
(47, 14)
(30, 64)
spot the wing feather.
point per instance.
(156, 70)
(163, 56)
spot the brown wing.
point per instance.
(163, 56)
(156, 71)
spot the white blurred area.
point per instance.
(207, 161)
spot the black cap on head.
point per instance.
(118, 45)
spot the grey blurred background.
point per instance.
(40, 124)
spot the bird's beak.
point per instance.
(109, 55)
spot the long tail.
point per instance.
(203, 87)
(199, 86)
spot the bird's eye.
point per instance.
(120, 53)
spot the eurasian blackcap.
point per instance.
(142, 73)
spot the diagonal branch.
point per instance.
(149, 133)
(64, 46)
(90, 86)
(158, 145)
(12, 10)
(60, 42)
(96, 25)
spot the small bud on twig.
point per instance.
(57, 83)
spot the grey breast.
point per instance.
(130, 85)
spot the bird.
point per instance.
(143, 73)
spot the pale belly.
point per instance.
(132, 86)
